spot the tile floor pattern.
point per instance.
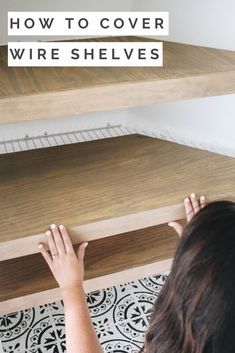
(120, 316)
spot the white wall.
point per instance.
(207, 123)
(55, 5)
(203, 22)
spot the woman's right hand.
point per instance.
(192, 206)
(66, 266)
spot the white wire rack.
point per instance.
(108, 131)
(50, 140)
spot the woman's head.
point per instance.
(195, 311)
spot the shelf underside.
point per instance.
(39, 93)
(27, 277)
(103, 187)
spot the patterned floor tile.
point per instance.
(146, 293)
(14, 328)
(12, 347)
(120, 345)
(51, 348)
(105, 334)
(59, 347)
(127, 288)
(124, 310)
(40, 334)
(131, 331)
(58, 322)
(145, 301)
(101, 303)
(120, 316)
(152, 284)
(25, 330)
(51, 308)
(101, 326)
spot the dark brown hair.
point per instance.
(195, 311)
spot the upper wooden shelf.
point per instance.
(40, 93)
(103, 187)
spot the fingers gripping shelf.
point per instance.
(122, 258)
(127, 186)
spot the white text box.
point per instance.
(85, 54)
(88, 23)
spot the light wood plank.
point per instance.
(90, 285)
(97, 230)
(30, 274)
(41, 93)
(106, 181)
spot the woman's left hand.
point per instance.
(192, 206)
(66, 265)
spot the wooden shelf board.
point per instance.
(104, 187)
(39, 93)
(25, 276)
(52, 295)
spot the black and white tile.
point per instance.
(120, 316)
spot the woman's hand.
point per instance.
(68, 269)
(66, 265)
(192, 205)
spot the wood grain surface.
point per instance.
(90, 285)
(30, 274)
(92, 231)
(98, 180)
(189, 72)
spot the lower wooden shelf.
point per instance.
(99, 189)
(103, 187)
(27, 281)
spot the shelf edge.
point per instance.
(101, 229)
(114, 96)
(90, 285)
